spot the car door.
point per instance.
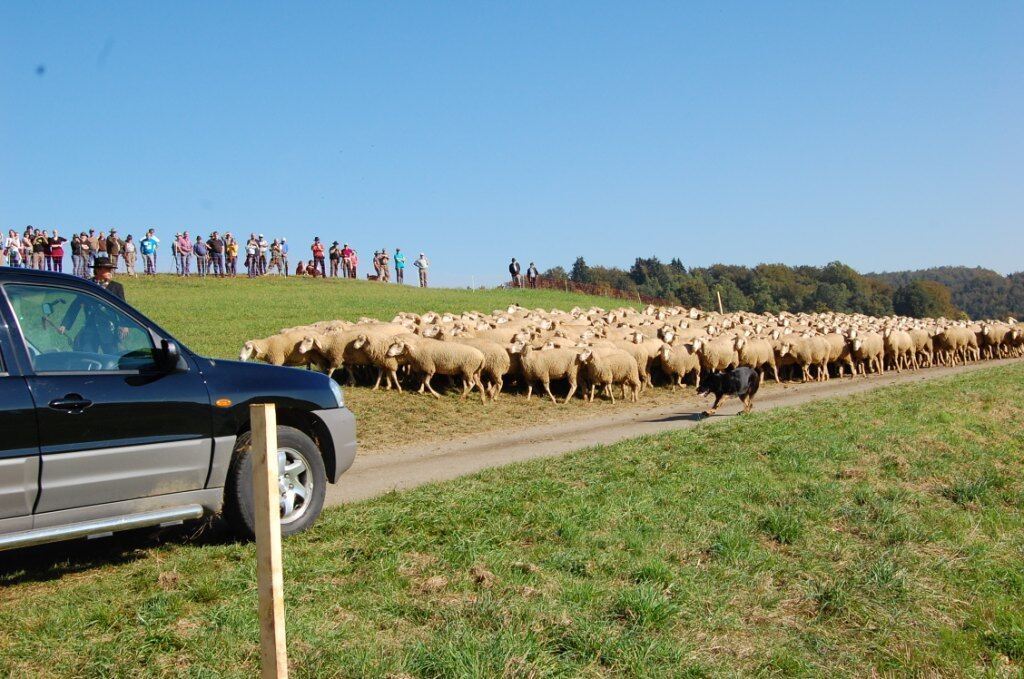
(113, 426)
(19, 446)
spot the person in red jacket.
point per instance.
(318, 256)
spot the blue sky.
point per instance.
(887, 135)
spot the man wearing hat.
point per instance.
(103, 276)
(318, 256)
(335, 256)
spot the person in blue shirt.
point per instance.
(148, 247)
(399, 266)
(284, 254)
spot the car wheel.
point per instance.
(302, 481)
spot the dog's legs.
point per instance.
(719, 398)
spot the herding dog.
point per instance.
(742, 382)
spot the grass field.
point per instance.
(215, 317)
(881, 534)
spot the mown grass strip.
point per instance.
(877, 534)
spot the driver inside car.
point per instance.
(92, 338)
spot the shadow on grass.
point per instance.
(56, 560)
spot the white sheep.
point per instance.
(431, 357)
(281, 349)
(546, 365)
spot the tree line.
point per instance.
(952, 292)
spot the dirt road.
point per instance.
(402, 468)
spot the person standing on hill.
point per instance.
(113, 247)
(275, 255)
(151, 235)
(185, 248)
(129, 256)
(399, 266)
(148, 246)
(513, 270)
(12, 245)
(264, 247)
(57, 252)
(102, 245)
(94, 246)
(83, 243)
(335, 255)
(284, 255)
(531, 275)
(252, 254)
(385, 266)
(76, 254)
(176, 254)
(346, 261)
(39, 245)
(202, 256)
(218, 250)
(422, 264)
(317, 248)
(47, 257)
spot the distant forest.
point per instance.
(953, 292)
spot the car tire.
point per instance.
(294, 446)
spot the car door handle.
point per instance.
(73, 403)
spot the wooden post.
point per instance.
(269, 574)
(720, 309)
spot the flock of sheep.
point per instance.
(596, 349)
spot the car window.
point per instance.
(71, 331)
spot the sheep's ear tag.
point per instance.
(222, 402)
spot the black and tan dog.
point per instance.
(742, 382)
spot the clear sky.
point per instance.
(887, 135)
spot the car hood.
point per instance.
(244, 382)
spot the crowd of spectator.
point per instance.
(216, 255)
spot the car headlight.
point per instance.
(338, 396)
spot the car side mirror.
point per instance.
(170, 355)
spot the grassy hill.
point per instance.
(215, 317)
(880, 534)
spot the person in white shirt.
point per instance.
(422, 264)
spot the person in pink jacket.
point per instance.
(185, 252)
